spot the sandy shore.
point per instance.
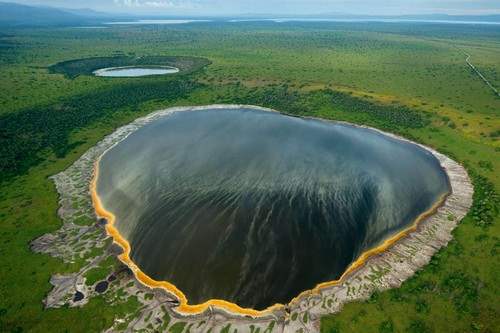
(383, 267)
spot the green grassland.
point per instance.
(410, 79)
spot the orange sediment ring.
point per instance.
(233, 308)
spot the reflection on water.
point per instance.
(254, 207)
(135, 71)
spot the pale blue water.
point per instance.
(152, 22)
(135, 71)
(367, 20)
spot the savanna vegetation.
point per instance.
(409, 79)
(27, 134)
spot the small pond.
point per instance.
(254, 207)
(135, 71)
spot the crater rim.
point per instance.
(184, 308)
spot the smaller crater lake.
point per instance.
(135, 71)
(254, 207)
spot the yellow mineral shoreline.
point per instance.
(186, 308)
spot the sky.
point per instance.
(283, 7)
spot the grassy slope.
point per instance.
(420, 67)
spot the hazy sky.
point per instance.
(280, 6)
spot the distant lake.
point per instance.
(286, 20)
(91, 27)
(135, 71)
(305, 20)
(255, 207)
(156, 22)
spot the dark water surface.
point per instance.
(255, 207)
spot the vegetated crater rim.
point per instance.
(73, 68)
(184, 307)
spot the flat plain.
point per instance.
(409, 79)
